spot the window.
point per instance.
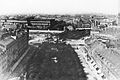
(88, 58)
(97, 68)
(103, 76)
(102, 58)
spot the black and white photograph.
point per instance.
(59, 39)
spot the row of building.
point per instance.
(12, 47)
(105, 51)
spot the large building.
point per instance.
(43, 24)
(12, 48)
(106, 53)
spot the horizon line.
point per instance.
(94, 13)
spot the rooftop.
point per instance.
(114, 27)
(10, 26)
(112, 55)
(107, 36)
(5, 42)
(112, 30)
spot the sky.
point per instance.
(59, 6)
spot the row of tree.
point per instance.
(43, 66)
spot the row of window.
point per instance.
(89, 58)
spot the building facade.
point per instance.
(11, 49)
(107, 59)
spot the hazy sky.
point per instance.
(59, 6)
